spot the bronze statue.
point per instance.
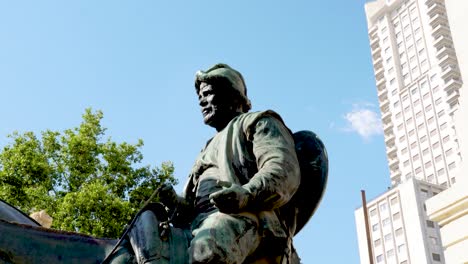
(252, 188)
(237, 205)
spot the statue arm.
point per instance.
(278, 175)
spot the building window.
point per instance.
(441, 113)
(411, 132)
(400, 127)
(428, 108)
(398, 115)
(386, 221)
(404, 151)
(441, 172)
(428, 164)
(390, 253)
(404, 262)
(399, 232)
(435, 257)
(425, 96)
(443, 126)
(373, 212)
(434, 240)
(430, 120)
(429, 223)
(446, 139)
(420, 127)
(436, 145)
(409, 120)
(379, 258)
(449, 152)
(416, 157)
(430, 178)
(377, 242)
(375, 227)
(438, 158)
(413, 145)
(433, 132)
(451, 166)
(383, 207)
(418, 170)
(406, 163)
(396, 216)
(438, 101)
(426, 151)
(423, 139)
(402, 138)
(401, 248)
(388, 237)
(394, 201)
(418, 114)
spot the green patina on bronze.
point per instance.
(252, 188)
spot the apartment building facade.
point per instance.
(418, 83)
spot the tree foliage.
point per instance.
(87, 184)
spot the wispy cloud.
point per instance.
(364, 120)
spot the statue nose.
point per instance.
(202, 102)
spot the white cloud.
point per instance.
(364, 121)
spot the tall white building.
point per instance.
(418, 84)
(400, 231)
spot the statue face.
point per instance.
(215, 105)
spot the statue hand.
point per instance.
(167, 195)
(232, 199)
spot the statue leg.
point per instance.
(224, 238)
(146, 241)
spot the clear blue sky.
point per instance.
(135, 61)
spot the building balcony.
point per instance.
(452, 85)
(441, 29)
(447, 60)
(391, 151)
(389, 139)
(444, 40)
(379, 74)
(435, 8)
(388, 128)
(393, 164)
(450, 72)
(452, 97)
(373, 31)
(438, 18)
(384, 104)
(431, 2)
(374, 42)
(378, 64)
(395, 173)
(379, 81)
(445, 50)
(386, 113)
(383, 96)
(376, 53)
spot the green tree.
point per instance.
(87, 184)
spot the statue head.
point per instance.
(222, 95)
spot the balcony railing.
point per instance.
(443, 40)
(441, 29)
(452, 85)
(437, 19)
(446, 61)
(453, 97)
(435, 8)
(445, 50)
(450, 72)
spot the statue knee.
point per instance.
(206, 250)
